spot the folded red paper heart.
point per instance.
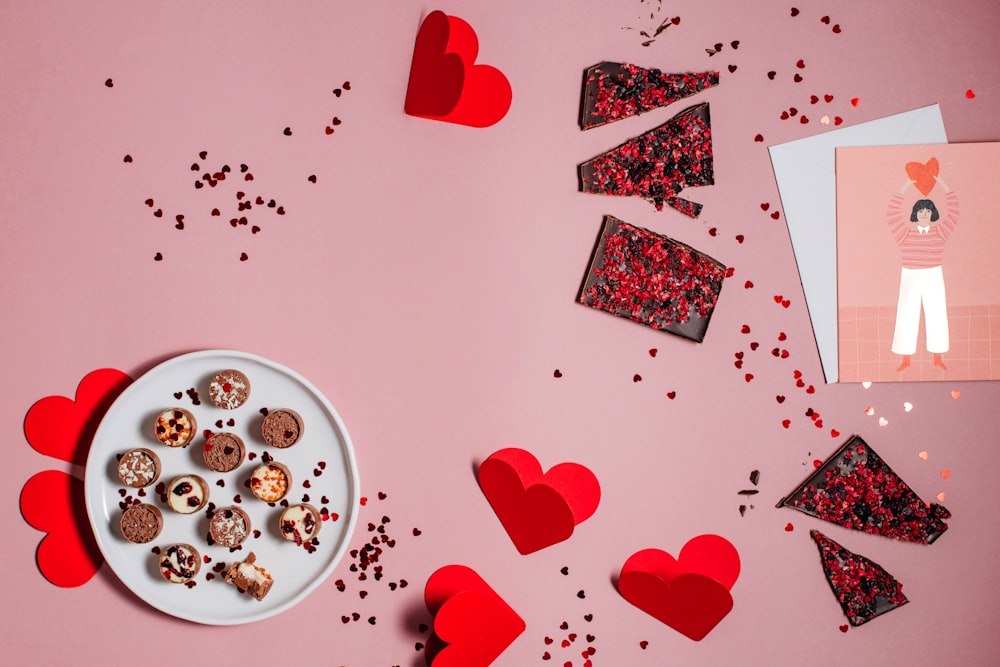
(537, 509)
(52, 502)
(473, 625)
(445, 83)
(923, 175)
(63, 427)
(689, 593)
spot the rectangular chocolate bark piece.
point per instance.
(652, 279)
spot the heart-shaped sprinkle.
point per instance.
(557, 373)
(779, 398)
(786, 422)
(795, 12)
(244, 257)
(748, 284)
(732, 68)
(636, 378)
(855, 101)
(109, 83)
(759, 138)
(923, 455)
(844, 627)
(800, 64)
(969, 94)
(882, 421)
(946, 473)
(836, 29)
(157, 257)
(789, 527)
(907, 406)
(287, 132)
(671, 395)
(826, 20)
(955, 394)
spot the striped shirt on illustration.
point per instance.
(921, 250)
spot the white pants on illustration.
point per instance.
(916, 287)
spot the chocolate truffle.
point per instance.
(176, 427)
(229, 526)
(224, 452)
(179, 563)
(141, 523)
(282, 428)
(249, 578)
(270, 481)
(138, 467)
(229, 389)
(300, 523)
(187, 494)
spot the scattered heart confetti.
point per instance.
(759, 138)
(969, 94)
(671, 395)
(825, 120)
(941, 497)
(779, 398)
(955, 394)
(855, 101)
(109, 83)
(946, 473)
(636, 378)
(789, 527)
(923, 455)
(795, 12)
(870, 410)
(557, 373)
(866, 384)
(786, 423)
(652, 351)
(907, 406)
(834, 433)
(844, 627)
(748, 285)
(882, 421)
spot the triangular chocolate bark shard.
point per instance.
(863, 588)
(613, 91)
(652, 279)
(856, 489)
(658, 164)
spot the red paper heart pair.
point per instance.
(52, 501)
(472, 624)
(446, 84)
(537, 510)
(689, 593)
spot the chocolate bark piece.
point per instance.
(224, 452)
(141, 523)
(300, 523)
(270, 481)
(179, 563)
(229, 526)
(175, 427)
(652, 279)
(249, 577)
(856, 489)
(862, 587)
(658, 164)
(229, 389)
(187, 494)
(139, 467)
(613, 91)
(282, 428)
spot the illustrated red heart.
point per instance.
(445, 83)
(473, 625)
(62, 427)
(689, 593)
(537, 510)
(53, 502)
(924, 175)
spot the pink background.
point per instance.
(426, 285)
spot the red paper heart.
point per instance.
(53, 502)
(445, 83)
(472, 624)
(537, 510)
(923, 175)
(61, 427)
(689, 593)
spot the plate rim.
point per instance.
(91, 472)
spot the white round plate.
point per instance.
(322, 465)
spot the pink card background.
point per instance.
(868, 259)
(426, 282)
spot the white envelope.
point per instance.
(806, 175)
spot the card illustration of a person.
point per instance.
(921, 233)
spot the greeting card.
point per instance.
(918, 282)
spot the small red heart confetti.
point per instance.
(759, 138)
(784, 115)
(775, 215)
(789, 527)
(834, 433)
(813, 99)
(636, 378)
(127, 159)
(735, 44)
(779, 398)
(748, 285)
(158, 213)
(557, 373)
(676, 20)
(109, 83)
(671, 395)
(804, 119)
(785, 302)
(795, 12)
(969, 94)
(836, 29)
(732, 68)
(786, 423)
(828, 98)
(800, 64)
(826, 20)
(745, 329)
(713, 231)
(797, 78)
(855, 101)
(652, 351)
(844, 627)
(810, 389)
(244, 257)
(287, 132)
(312, 178)
(157, 257)
(748, 377)
(817, 463)
(739, 238)
(837, 120)
(754, 345)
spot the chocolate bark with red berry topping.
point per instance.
(613, 91)
(863, 588)
(658, 164)
(652, 279)
(856, 489)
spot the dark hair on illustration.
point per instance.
(920, 205)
